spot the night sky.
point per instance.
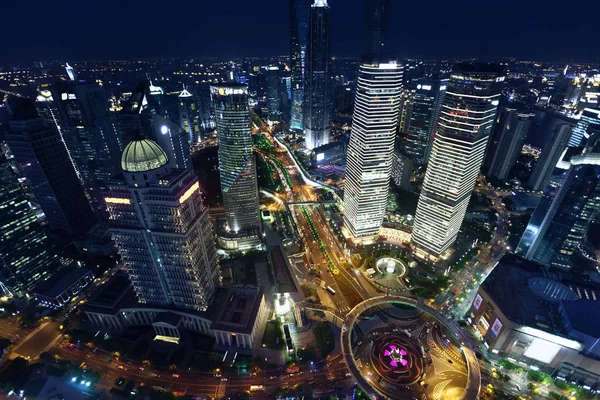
(129, 29)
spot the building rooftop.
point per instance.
(143, 155)
(235, 309)
(527, 294)
(111, 295)
(60, 281)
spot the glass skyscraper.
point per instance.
(161, 229)
(464, 126)
(236, 157)
(426, 102)
(317, 77)
(42, 156)
(26, 255)
(299, 15)
(188, 116)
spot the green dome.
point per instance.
(143, 155)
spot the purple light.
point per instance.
(393, 363)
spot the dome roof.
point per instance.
(143, 155)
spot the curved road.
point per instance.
(474, 374)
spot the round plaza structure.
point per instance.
(391, 265)
(397, 347)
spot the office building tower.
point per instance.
(188, 116)
(299, 16)
(71, 72)
(402, 167)
(142, 116)
(161, 229)
(173, 140)
(369, 158)
(579, 135)
(317, 77)
(464, 126)
(375, 26)
(42, 156)
(90, 133)
(571, 212)
(274, 93)
(504, 152)
(551, 154)
(236, 157)
(423, 114)
(206, 111)
(26, 255)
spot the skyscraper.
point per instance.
(370, 152)
(512, 128)
(161, 229)
(426, 103)
(236, 157)
(90, 133)
(375, 26)
(43, 157)
(317, 77)
(26, 255)
(572, 210)
(551, 154)
(188, 116)
(589, 116)
(465, 122)
(299, 16)
(274, 93)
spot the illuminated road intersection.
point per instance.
(405, 353)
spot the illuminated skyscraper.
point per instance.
(90, 133)
(274, 93)
(512, 129)
(424, 110)
(161, 229)
(317, 77)
(188, 116)
(464, 126)
(299, 15)
(236, 157)
(370, 152)
(42, 156)
(26, 255)
(574, 207)
(589, 116)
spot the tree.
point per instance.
(325, 339)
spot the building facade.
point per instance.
(42, 156)
(317, 77)
(458, 149)
(423, 113)
(299, 15)
(236, 157)
(512, 127)
(370, 152)
(551, 154)
(188, 116)
(161, 230)
(26, 254)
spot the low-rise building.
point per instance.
(62, 286)
(540, 320)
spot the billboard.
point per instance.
(496, 327)
(477, 302)
(320, 156)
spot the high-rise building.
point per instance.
(369, 157)
(464, 126)
(589, 116)
(375, 26)
(374, 124)
(161, 229)
(274, 93)
(317, 77)
(26, 255)
(90, 132)
(426, 103)
(512, 129)
(173, 140)
(236, 157)
(188, 116)
(551, 154)
(574, 207)
(402, 167)
(299, 16)
(42, 156)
